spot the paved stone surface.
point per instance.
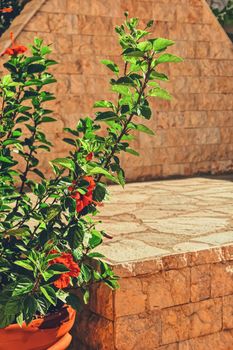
(158, 218)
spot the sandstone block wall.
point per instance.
(194, 131)
(178, 302)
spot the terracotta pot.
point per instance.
(49, 333)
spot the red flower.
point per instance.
(6, 10)
(82, 201)
(14, 50)
(65, 259)
(89, 156)
(92, 184)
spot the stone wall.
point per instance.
(177, 302)
(194, 132)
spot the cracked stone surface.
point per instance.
(159, 218)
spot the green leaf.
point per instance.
(132, 151)
(26, 264)
(49, 294)
(145, 111)
(58, 269)
(103, 104)
(158, 76)
(42, 305)
(52, 212)
(167, 57)
(121, 177)
(95, 255)
(75, 236)
(150, 23)
(113, 284)
(13, 306)
(55, 269)
(160, 93)
(6, 80)
(39, 173)
(121, 89)
(143, 128)
(96, 239)
(41, 190)
(6, 160)
(103, 116)
(75, 302)
(161, 44)
(17, 232)
(133, 52)
(111, 65)
(141, 33)
(98, 170)
(48, 120)
(23, 286)
(124, 81)
(29, 308)
(38, 42)
(70, 204)
(20, 319)
(36, 68)
(99, 192)
(45, 50)
(69, 141)
(145, 46)
(86, 273)
(86, 296)
(65, 163)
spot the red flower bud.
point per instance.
(89, 156)
(14, 50)
(6, 10)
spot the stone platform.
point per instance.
(172, 246)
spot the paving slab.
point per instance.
(158, 218)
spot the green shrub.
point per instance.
(48, 227)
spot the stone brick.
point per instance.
(40, 23)
(189, 14)
(169, 347)
(228, 252)
(129, 298)
(202, 49)
(137, 8)
(218, 341)
(59, 6)
(168, 288)
(175, 325)
(228, 312)
(222, 279)
(101, 301)
(191, 320)
(200, 282)
(96, 332)
(207, 256)
(88, 24)
(138, 332)
(94, 8)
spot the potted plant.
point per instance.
(48, 227)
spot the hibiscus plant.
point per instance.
(48, 227)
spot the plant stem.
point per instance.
(109, 158)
